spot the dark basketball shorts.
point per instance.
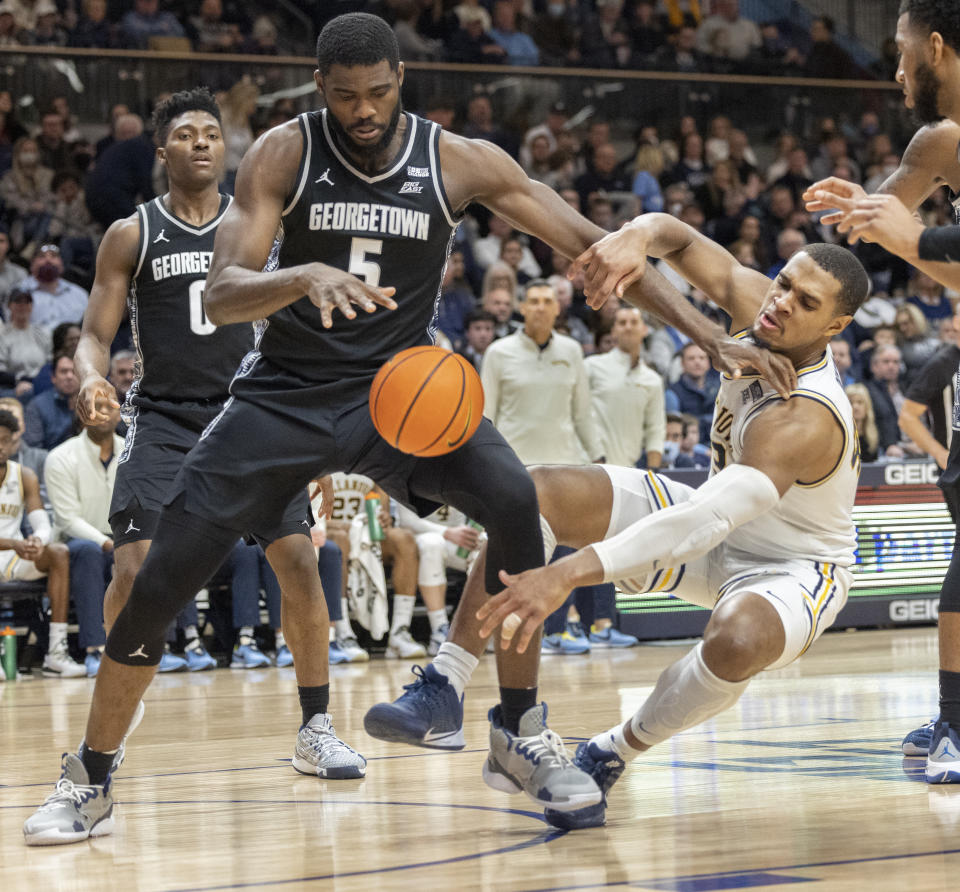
(949, 480)
(157, 443)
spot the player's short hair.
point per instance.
(197, 99)
(356, 38)
(847, 270)
(942, 16)
(9, 421)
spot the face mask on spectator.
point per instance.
(671, 449)
(29, 157)
(48, 272)
(556, 9)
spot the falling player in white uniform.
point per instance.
(766, 542)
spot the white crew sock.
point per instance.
(281, 641)
(343, 628)
(190, 633)
(456, 664)
(402, 612)
(58, 636)
(615, 742)
(438, 619)
(245, 635)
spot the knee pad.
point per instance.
(138, 636)
(432, 548)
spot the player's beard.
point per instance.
(926, 106)
(366, 153)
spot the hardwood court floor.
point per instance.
(802, 782)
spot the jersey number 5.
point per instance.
(199, 324)
(365, 269)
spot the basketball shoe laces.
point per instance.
(325, 741)
(547, 748)
(423, 687)
(67, 791)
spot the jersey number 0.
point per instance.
(199, 324)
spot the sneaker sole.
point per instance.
(341, 772)
(250, 665)
(359, 658)
(51, 673)
(54, 837)
(603, 645)
(911, 749)
(497, 780)
(384, 727)
(581, 819)
(394, 655)
(943, 773)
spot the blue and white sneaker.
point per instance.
(943, 760)
(428, 714)
(535, 762)
(605, 768)
(248, 656)
(611, 637)
(74, 811)
(335, 655)
(198, 660)
(564, 643)
(575, 630)
(284, 658)
(917, 742)
(355, 653)
(321, 753)
(171, 663)
(92, 663)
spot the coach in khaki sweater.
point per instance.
(536, 390)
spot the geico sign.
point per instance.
(920, 610)
(918, 472)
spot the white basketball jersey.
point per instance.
(11, 502)
(349, 492)
(448, 516)
(814, 519)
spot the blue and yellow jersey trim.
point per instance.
(669, 578)
(806, 370)
(816, 602)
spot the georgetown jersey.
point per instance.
(814, 518)
(181, 355)
(11, 502)
(391, 229)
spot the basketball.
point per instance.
(426, 401)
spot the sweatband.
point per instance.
(940, 244)
(40, 524)
(676, 535)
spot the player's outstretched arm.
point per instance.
(237, 289)
(116, 264)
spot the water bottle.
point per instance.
(372, 505)
(8, 642)
(461, 551)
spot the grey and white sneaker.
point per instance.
(536, 762)
(59, 664)
(437, 638)
(321, 753)
(355, 653)
(401, 646)
(74, 811)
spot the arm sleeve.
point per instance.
(668, 538)
(940, 244)
(40, 524)
(410, 521)
(67, 508)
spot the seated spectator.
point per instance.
(843, 360)
(116, 112)
(671, 439)
(122, 176)
(31, 457)
(863, 417)
(11, 34)
(147, 20)
(466, 10)
(263, 38)
(554, 129)
(48, 30)
(726, 35)
(457, 300)
(695, 392)
(926, 293)
(568, 322)
(520, 49)
(741, 154)
(80, 474)
(917, 344)
(71, 225)
(55, 300)
(479, 333)
(54, 149)
(777, 56)
(788, 243)
(711, 195)
(49, 417)
(797, 176)
(691, 169)
(604, 176)
(691, 453)
(65, 338)
(24, 346)
(480, 125)
(10, 128)
(209, 32)
(237, 108)
(887, 397)
(413, 46)
(487, 250)
(10, 273)
(94, 30)
(605, 37)
(833, 152)
(648, 167)
(471, 43)
(680, 53)
(500, 302)
(25, 192)
(646, 32)
(555, 32)
(825, 58)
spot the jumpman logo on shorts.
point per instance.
(131, 528)
(140, 652)
(161, 237)
(324, 178)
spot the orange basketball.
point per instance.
(426, 401)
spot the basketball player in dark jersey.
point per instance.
(928, 38)
(354, 208)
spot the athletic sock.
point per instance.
(58, 636)
(402, 612)
(438, 619)
(281, 641)
(342, 628)
(514, 702)
(614, 741)
(190, 633)
(313, 700)
(456, 664)
(193, 644)
(950, 697)
(245, 635)
(97, 764)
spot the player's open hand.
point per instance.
(735, 356)
(833, 194)
(611, 265)
(463, 536)
(96, 400)
(885, 220)
(529, 598)
(332, 289)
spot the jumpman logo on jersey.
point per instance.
(140, 652)
(324, 178)
(161, 237)
(131, 528)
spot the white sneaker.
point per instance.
(401, 646)
(354, 652)
(74, 811)
(321, 753)
(59, 664)
(437, 638)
